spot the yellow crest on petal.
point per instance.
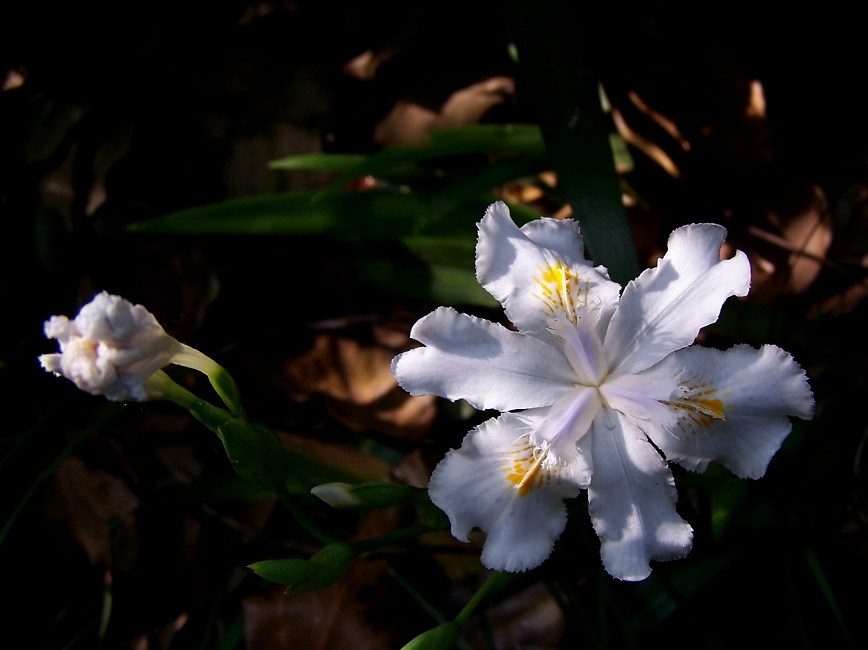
(525, 468)
(561, 291)
(699, 407)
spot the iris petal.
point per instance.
(484, 363)
(481, 485)
(733, 406)
(632, 500)
(665, 307)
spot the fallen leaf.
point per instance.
(357, 382)
(408, 123)
(89, 502)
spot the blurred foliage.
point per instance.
(226, 166)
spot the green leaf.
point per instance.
(727, 498)
(322, 570)
(372, 214)
(365, 496)
(437, 284)
(254, 451)
(225, 488)
(459, 141)
(233, 635)
(331, 162)
(429, 514)
(557, 49)
(825, 587)
(459, 252)
(442, 637)
(664, 591)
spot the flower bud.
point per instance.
(111, 348)
(364, 496)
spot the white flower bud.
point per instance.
(111, 348)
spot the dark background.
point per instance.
(115, 113)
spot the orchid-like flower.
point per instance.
(593, 387)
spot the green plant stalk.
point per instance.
(219, 377)
(496, 582)
(213, 417)
(162, 387)
(312, 528)
(367, 545)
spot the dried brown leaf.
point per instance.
(789, 257)
(340, 616)
(408, 123)
(88, 501)
(357, 381)
(528, 618)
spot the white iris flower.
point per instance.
(593, 386)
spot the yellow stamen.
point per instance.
(525, 477)
(560, 290)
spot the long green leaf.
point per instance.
(437, 284)
(556, 49)
(371, 214)
(825, 587)
(330, 162)
(460, 141)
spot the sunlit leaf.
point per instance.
(323, 569)
(333, 162)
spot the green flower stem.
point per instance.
(312, 528)
(414, 593)
(219, 377)
(495, 583)
(162, 387)
(366, 545)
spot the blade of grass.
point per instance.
(825, 588)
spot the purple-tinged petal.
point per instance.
(567, 422)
